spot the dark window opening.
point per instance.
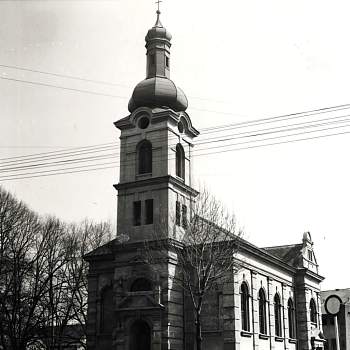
(167, 61)
(180, 161)
(262, 312)
(106, 325)
(310, 256)
(149, 211)
(184, 216)
(137, 213)
(245, 307)
(291, 319)
(141, 284)
(178, 213)
(278, 319)
(313, 311)
(152, 59)
(145, 157)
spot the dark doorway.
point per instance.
(140, 336)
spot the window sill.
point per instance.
(180, 178)
(292, 341)
(143, 176)
(279, 339)
(263, 336)
(246, 334)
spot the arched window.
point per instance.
(141, 284)
(245, 307)
(278, 318)
(106, 310)
(144, 152)
(180, 161)
(291, 318)
(262, 312)
(313, 312)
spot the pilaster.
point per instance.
(271, 312)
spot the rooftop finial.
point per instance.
(158, 24)
(158, 2)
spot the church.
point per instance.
(272, 302)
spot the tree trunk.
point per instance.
(198, 331)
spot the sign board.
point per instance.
(332, 305)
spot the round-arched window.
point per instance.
(144, 157)
(180, 161)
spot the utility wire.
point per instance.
(231, 150)
(221, 151)
(42, 162)
(99, 93)
(9, 160)
(103, 82)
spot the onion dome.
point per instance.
(157, 90)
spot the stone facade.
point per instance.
(272, 302)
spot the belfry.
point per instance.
(271, 303)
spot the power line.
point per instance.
(42, 161)
(60, 75)
(61, 171)
(219, 128)
(63, 87)
(118, 96)
(103, 82)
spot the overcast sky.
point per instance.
(236, 60)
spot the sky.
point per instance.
(237, 61)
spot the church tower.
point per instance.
(133, 304)
(155, 185)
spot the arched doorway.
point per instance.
(140, 336)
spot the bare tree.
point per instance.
(205, 254)
(43, 277)
(25, 273)
(82, 238)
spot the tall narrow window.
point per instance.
(106, 310)
(313, 312)
(291, 318)
(310, 255)
(144, 157)
(149, 211)
(178, 213)
(180, 161)
(137, 213)
(167, 61)
(184, 216)
(245, 307)
(262, 312)
(278, 318)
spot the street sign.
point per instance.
(332, 305)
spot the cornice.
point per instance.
(157, 181)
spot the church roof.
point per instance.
(158, 92)
(290, 254)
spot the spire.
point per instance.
(157, 89)
(158, 49)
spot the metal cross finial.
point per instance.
(158, 2)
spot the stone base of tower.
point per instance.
(131, 302)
